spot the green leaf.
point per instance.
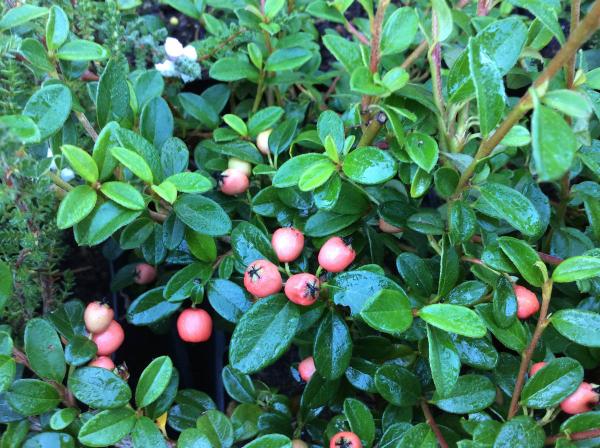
(289, 173)
(576, 268)
(444, 17)
(462, 222)
(264, 119)
(150, 308)
(399, 31)
(580, 326)
(250, 244)
(146, 433)
(107, 427)
(81, 50)
(238, 385)
(423, 150)
(104, 220)
(113, 95)
(331, 125)
(75, 206)
(360, 419)
(552, 383)
(332, 347)
(520, 431)
(388, 311)
(316, 175)
(156, 121)
(398, 385)
(454, 319)
(133, 162)
(153, 381)
(504, 303)
(63, 418)
(49, 108)
(478, 353)
(190, 8)
(524, 258)
(228, 299)
(233, 69)
(99, 388)
(449, 268)
(354, 288)
(217, 427)
(44, 350)
(270, 441)
(444, 361)
(420, 436)
(362, 81)
(508, 204)
(57, 28)
(199, 108)
(369, 165)
(148, 85)
(123, 194)
(80, 350)
(514, 337)
(489, 87)
(32, 397)
(22, 127)
(6, 285)
(287, 59)
(568, 102)
(263, 334)
(20, 15)
(202, 215)
(180, 286)
(553, 143)
(272, 7)
(472, 393)
(344, 50)
(81, 162)
(236, 123)
(545, 13)
(166, 190)
(8, 370)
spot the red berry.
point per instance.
(535, 368)
(581, 400)
(233, 182)
(388, 228)
(527, 302)
(306, 368)
(103, 361)
(97, 317)
(194, 325)
(302, 289)
(336, 255)
(262, 141)
(287, 243)
(144, 274)
(262, 278)
(345, 440)
(110, 339)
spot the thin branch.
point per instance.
(376, 35)
(87, 125)
(579, 36)
(414, 55)
(433, 425)
(575, 17)
(352, 30)
(583, 435)
(542, 323)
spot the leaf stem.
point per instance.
(542, 323)
(583, 435)
(432, 424)
(576, 39)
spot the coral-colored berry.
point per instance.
(97, 317)
(241, 165)
(307, 368)
(345, 440)
(302, 289)
(336, 255)
(288, 243)
(103, 361)
(110, 339)
(262, 278)
(144, 274)
(527, 302)
(386, 227)
(194, 325)
(536, 367)
(581, 400)
(233, 182)
(262, 141)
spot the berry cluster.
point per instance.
(105, 331)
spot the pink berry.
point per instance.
(302, 289)
(144, 274)
(581, 400)
(97, 317)
(306, 368)
(194, 325)
(110, 339)
(536, 367)
(527, 302)
(233, 182)
(262, 278)
(287, 243)
(336, 255)
(103, 361)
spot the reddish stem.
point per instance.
(433, 425)
(583, 435)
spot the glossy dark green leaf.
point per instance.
(153, 381)
(202, 215)
(344, 50)
(318, 392)
(369, 165)
(238, 385)
(63, 418)
(580, 326)
(552, 383)
(420, 435)
(388, 311)
(360, 419)
(462, 222)
(289, 173)
(472, 393)
(113, 94)
(44, 350)
(454, 319)
(449, 268)
(80, 350)
(524, 258)
(577, 268)
(250, 244)
(270, 441)
(287, 59)
(150, 307)
(354, 288)
(514, 337)
(444, 360)
(398, 31)
(81, 50)
(228, 299)
(326, 222)
(49, 108)
(146, 433)
(8, 369)
(199, 108)
(99, 388)
(107, 427)
(32, 397)
(333, 347)
(423, 150)
(520, 431)
(397, 385)
(75, 206)
(504, 303)
(478, 353)
(416, 273)
(57, 27)
(156, 121)
(102, 222)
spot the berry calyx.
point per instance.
(144, 274)
(110, 339)
(336, 255)
(288, 243)
(580, 401)
(97, 317)
(262, 141)
(240, 165)
(302, 289)
(102, 361)
(194, 325)
(233, 182)
(527, 302)
(262, 278)
(345, 440)
(386, 227)
(307, 368)
(536, 367)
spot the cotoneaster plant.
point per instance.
(402, 199)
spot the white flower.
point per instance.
(166, 68)
(67, 174)
(49, 153)
(190, 52)
(173, 48)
